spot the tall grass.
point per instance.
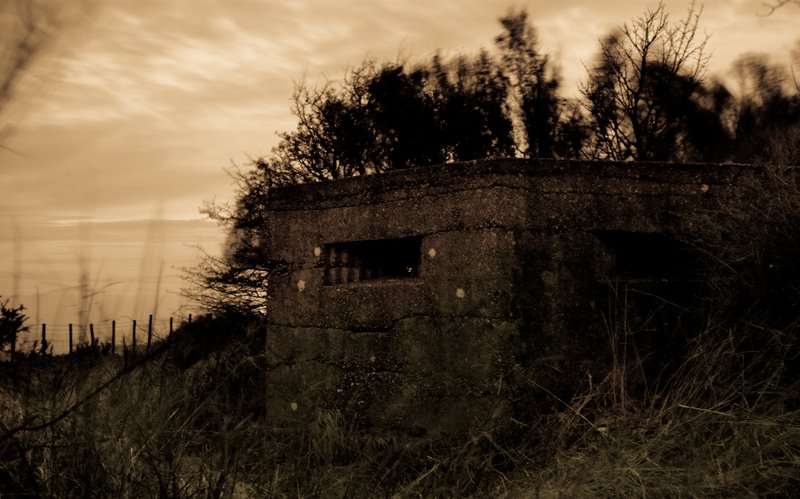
(188, 421)
(727, 424)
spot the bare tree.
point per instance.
(644, 85)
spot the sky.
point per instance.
(126, 124)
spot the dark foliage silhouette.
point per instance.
(533, 85)
(471, 106)
(767, 113)
(12, 322)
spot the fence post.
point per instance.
(91, 335)
(70, 337)
(170, 329)
(190, 318)
(113, 337)
(44, 338)
(133, 339)
(149, 331)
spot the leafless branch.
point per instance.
(773, 6)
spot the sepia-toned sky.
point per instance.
(133, 114)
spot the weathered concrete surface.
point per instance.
(513, 275)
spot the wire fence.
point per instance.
(116, 335)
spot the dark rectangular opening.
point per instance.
(644, 255)
(360, 261)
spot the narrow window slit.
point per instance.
(362, 261)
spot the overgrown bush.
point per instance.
(12, 322)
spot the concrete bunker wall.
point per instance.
(511, 258)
